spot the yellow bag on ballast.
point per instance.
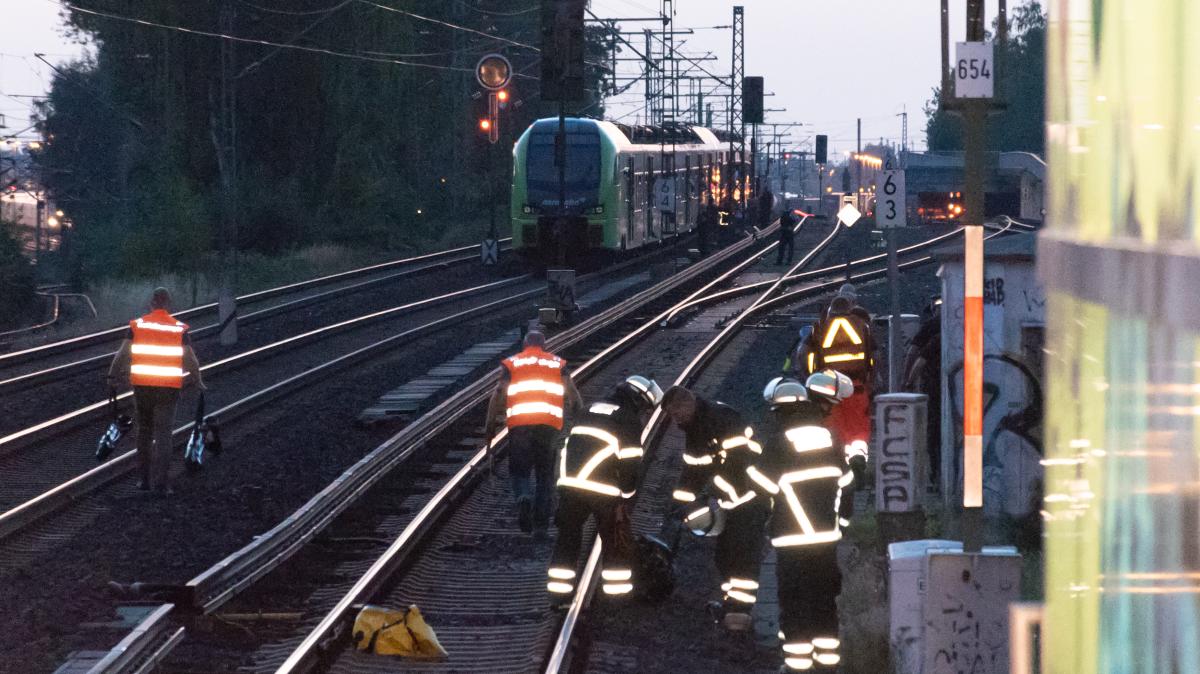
(385, 631)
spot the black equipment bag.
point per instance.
(197, 445)
(653, 568)
(118, 427)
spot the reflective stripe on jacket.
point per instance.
(811, 488)
(844, 344)
(602, 453)
(156, 351)
(535, 389)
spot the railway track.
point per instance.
(48, 466)
(225, 584)
(411, 518)
(20, 369)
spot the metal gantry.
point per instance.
(737, 127)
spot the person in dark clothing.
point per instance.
(787, 232)
(720, 479)
(766, 204)
(813, 488)
(599, 467)
(844, 343)
(706, 226)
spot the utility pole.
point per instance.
(225, 138)
(858, 168)
(945, 49)
(975, 111)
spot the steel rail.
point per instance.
(101, 336)
(41, 429)
(558, 659)
(1002, 226)
(143, 648)
(33, 510)
(33, 378)
(654, 427)
(328, 629)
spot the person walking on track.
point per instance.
(813, 482)
(534, 391)
(719, 492)
(158, 359)
(844, 343)
(787, 233)
(599, 467)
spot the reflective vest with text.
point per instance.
(535, 389)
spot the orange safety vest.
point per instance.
(535, 389)
(157, 350)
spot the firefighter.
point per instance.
(719, 487)
(843, 342)
(157, 356)
(534, 390)
(598, 470)
(813, 479)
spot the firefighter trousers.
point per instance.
(739, 552)
(575, 506)
(809, 583)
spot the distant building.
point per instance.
(1014, 185)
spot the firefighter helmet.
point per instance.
(830, 384)
(784, 391)
(646, 391)
(706, 521)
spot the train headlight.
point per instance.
(526, 210)
(598, 209)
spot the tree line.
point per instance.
(355, 123)
(1020, 86)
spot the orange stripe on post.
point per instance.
(973, 368)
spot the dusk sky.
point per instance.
(827, 62)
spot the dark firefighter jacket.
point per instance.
(720, 452)
(603, 453)
(844, 343)
(813, 485)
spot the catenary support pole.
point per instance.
(974, 132)
(893, 344)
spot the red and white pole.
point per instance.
(973, 379)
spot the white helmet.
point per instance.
(784, 391)
(830, 384)
(646, 389)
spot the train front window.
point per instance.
(582, 175)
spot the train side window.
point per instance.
(687, 188)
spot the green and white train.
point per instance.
(611, 174)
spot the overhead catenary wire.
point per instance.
(447, 24)
(266, 43)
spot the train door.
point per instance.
(649, 202)
(630, 181)
(687, 192)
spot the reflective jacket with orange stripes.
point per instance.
(156, 349)
(535, 389)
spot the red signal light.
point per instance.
(485, 124)
(502, 96)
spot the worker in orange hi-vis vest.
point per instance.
(843, 343)
(158, 358)
(535, 390)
